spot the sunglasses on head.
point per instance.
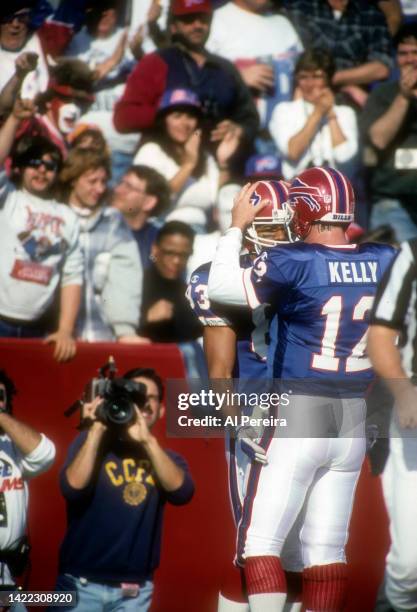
(48, 164)
(23, 17)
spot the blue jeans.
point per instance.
(389, 211)
(94, 597)
(14, 330)
(17, 607)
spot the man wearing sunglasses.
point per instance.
(14, 27)
(39, 244)
(17, 41)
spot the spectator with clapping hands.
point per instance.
(175, 148)
(313, 129)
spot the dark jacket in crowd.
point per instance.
(183, 326)
(218, 84)
(391, 176)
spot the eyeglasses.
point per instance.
(48, 164)
(128, 185)
(175, 254)
(22, 17)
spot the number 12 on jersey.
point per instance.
(326, 359)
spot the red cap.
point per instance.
(188, 7)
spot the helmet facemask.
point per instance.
(279, 219)
(275, 215)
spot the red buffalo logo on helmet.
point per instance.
(320, 194)
(308, 194)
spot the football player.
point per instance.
(235, 345)
(321, 290)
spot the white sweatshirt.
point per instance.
(39, 249)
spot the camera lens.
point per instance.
(119, 410)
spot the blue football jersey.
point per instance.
(250, 326)
(322, 296)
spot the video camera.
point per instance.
(120, 396)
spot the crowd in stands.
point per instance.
(128, 127)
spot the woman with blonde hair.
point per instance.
(112, 269)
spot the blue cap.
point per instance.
(263, 165)
(179, 98)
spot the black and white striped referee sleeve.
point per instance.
(396, 292)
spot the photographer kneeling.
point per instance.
(116, 480)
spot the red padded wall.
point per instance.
(198, 540)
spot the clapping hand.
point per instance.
(325, 101)
(227, 147)
(192, 148)
(408, 82)
(223, 127)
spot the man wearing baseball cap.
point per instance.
(186, 64)
(190, 7)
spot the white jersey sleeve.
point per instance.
(226, 279)
(39, 460)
